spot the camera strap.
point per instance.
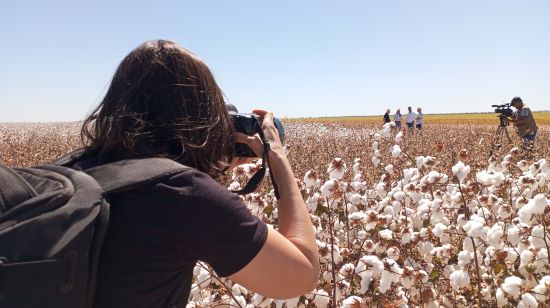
(257, 178)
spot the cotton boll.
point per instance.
(501, 297)
(399, 137)
(204, 278)
(352, 302)
(389, 169)
(542, 261)
(439, 229)
(386, 234)
(527, 301)
(366, 278)
(390, 275)
(433, 176)
(459, 279)
(313, 201)
(396, 151)
(196, 269)
(474, 228)
(513, 235)
(542, 289)
(336, 169)
(494, 236)
(328, 189)
(375, 263)
(512, 286)
(237, 289)
(420, 161)
(460, 170)
(537, 237)
(504, 211)
(464, 257)
(260, 301)
(347, 270)
(234, 186)
(321, 298)
(468, 245)
(425, 247)
(393, 253)
(240, 301)
(490, 178)
(311, 178)
(535, 206)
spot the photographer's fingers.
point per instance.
(254, 142)
(270, 131)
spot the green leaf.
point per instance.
(498, 267)
(434, 274)
(268, 210)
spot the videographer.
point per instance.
(524, 121)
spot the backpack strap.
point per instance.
(13, 189)
(128, 174)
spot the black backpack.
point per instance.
(53, 220)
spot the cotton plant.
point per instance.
(401, 230)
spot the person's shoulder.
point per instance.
(525, 111)
(190, 184)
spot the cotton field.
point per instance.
(402, 219)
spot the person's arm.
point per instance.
(287, 266)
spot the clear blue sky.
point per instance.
(298, 58)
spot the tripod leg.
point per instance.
(507, 135)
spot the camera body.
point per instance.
(250, 124)
(504, 110)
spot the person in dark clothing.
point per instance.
(163, 101)
(524, 122)
(387, 116)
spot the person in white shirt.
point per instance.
(397, 118)
(419, 118)
(410, 119)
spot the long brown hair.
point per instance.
(163, 101)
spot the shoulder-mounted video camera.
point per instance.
(250, 124)
(504, 110)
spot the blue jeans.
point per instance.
(530, 137)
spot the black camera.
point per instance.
(249, 124)
(504, 110)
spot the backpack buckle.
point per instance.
(4, 260)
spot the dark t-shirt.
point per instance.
(157, 233)
(387, 118)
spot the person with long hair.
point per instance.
(163, 101)
(397, 119)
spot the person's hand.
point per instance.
(254, 142)
(270, 131)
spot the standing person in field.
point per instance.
(419, 118)
(524, 122)
(397, 118)
(163, 101)
(387, 116)
(410, 119)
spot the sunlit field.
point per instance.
(403, 218)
